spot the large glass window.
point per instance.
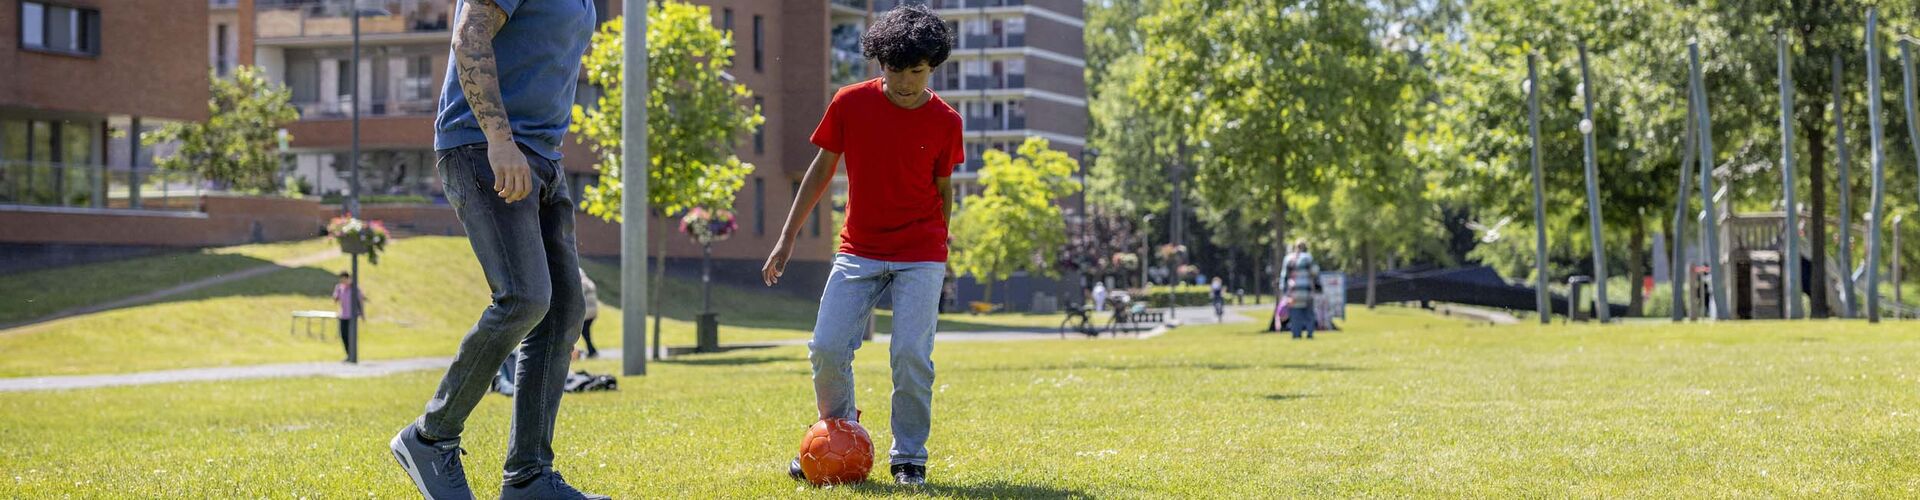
(59, 28)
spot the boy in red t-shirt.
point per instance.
(900, 142)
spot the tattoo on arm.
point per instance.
(474, 60)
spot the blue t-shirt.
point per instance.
(537, 54)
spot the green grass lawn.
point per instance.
(1400, 404)
(35, 294)
(423, 297)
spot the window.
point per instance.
(1016, 32)
(759, 43)
(421, 73)
(760, 132)
(54, 28)
(303, 76)
(759, 206)
(1016, 73)
(220, 48)
(726, 20)
(343, 79)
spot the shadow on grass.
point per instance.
(754, 360)
(681, 299)
(1287, 397)
(990, 489)
(1321, 367)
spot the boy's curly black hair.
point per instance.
(905, 37)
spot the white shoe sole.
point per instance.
(406, 462)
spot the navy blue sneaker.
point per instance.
(434, 468)
(548, 485)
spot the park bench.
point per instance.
(308, 317)
(1134, 322)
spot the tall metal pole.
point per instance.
(1894, 228)
(1790, 268)
(1605, 307)
(1879, 165)
(1913, 132)
(1716, 273)
(633, 201)
(1146, 254)
(1540, 302)
(1847, 299)
(1681, 272)
(353, 184)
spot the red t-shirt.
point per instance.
(893, 155)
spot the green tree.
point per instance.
(696, 113)
(1013, 224)
(238, 144)
(1260, 100)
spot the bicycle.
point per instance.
(1077, 321)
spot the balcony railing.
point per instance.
(885, 5)
(304, 18)
(96, 186)
(343, 108)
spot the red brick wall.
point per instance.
(221, 221)
(152, 62)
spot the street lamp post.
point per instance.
(353, 186)
(1146, 254)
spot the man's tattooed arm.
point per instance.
(479, 77)
(473, 57)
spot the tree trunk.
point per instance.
(1636, 270)
(1366, 266)
(1279, 239)
(988, 295)
(1817, 225)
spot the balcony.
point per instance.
(343, 108)
(330, 18)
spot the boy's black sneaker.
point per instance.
(548, 485)
(909, 474)
(793, 470)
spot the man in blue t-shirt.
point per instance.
(503, 111)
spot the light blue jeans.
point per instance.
(853, 288)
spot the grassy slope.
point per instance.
(36, 294)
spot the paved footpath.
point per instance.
(375, 368)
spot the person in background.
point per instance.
(1099, 296)
(1219, 296)
(1302, 276)
(349, 297)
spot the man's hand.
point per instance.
(511, 176)
(777, 262)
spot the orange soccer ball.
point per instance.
(836, 451)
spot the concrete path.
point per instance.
(37, 324)
(333, 369)
(389, 367)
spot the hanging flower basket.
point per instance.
(708, 226)
(357, 236)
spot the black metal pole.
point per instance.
(353, 185)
